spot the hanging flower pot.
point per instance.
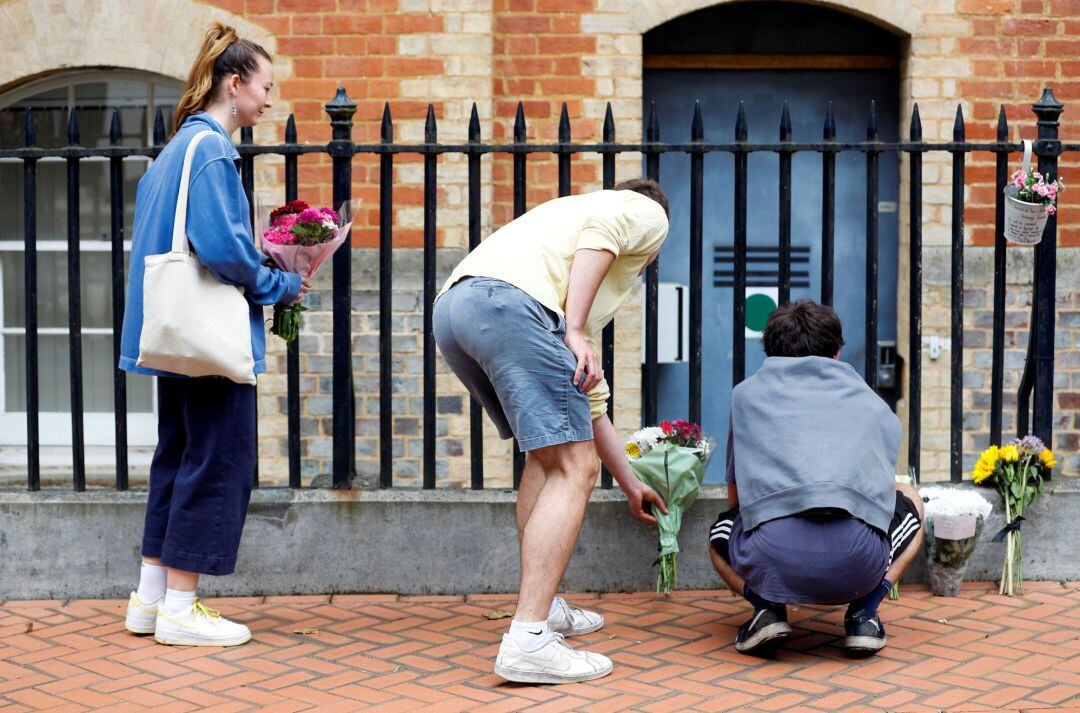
(1030, 200)
(954, 519)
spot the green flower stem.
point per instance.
(287, 321)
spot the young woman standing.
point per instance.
(202, 471)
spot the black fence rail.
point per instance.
(1037, 377)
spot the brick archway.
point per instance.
(898, 17)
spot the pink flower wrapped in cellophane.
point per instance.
(299, 238)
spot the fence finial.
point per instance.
(609, 124)
(741, 129)
(430, 130)
(114, 127)
(159, 128)
(785, 123)
(958, 124)
(915, 132)
(564, 125)
(290, 129)
(474, 125)
(871, 122)
(519, 123)
(829, 131)
(73, 128)
(1002, 125)
(386, 129)
(697, 124)
(652, 128)
(31, 129)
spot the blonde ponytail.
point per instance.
(223, 53)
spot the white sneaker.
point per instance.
(142, 618)
(554, 662)
(199, 626)
(572, 621)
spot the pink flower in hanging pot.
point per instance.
(1050, 209)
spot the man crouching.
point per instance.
(816, 515)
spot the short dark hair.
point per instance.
(646, 187)
(802, 328)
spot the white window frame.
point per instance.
(55, 427)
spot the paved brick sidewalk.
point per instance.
(976, 652)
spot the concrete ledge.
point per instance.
(68, 545)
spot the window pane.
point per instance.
(166, 97)
(95, 102)
(96, 288)
(50, 120)
(11, 185)
(54, 388)
(95, 202)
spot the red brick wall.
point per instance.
(1018, 47)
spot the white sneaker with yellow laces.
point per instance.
(199, 625)
(142, 618)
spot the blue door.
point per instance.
(763, 93)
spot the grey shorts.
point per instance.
(508, 350)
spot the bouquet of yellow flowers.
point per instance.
(1017, 470)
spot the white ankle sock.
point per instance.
(177, 602)
(151, 582)
(529, 635)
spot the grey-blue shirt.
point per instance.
(820, 557)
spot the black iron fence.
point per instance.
(1037, 378)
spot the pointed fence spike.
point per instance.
(697, 125)
(31, 129)
(871, 122)
(609, 124)
(741, 129)
(114, 127)
(474, 125)
(290, 130)
(430, 130)
(916, 124)
(829, 132)
(785, 124)
(564, 125)
(159, 128)
(73, 128)
(652, 128)
(247, 135)
(386, 130)
(519, 123)
(958, 124)
(1002, 125)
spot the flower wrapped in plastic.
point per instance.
(300, 239)
(671, 459)
(1016, 471)
(953, 520)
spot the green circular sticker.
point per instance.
(758, 309)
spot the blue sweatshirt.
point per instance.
(218, 227)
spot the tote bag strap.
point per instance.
(179, 229)
(1027, 156)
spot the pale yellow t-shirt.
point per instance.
(535, 252)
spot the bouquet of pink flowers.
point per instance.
(300, 239)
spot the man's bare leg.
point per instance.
(532, 482)
(734, 582)
(552, 523)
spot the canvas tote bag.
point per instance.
(193, 323)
